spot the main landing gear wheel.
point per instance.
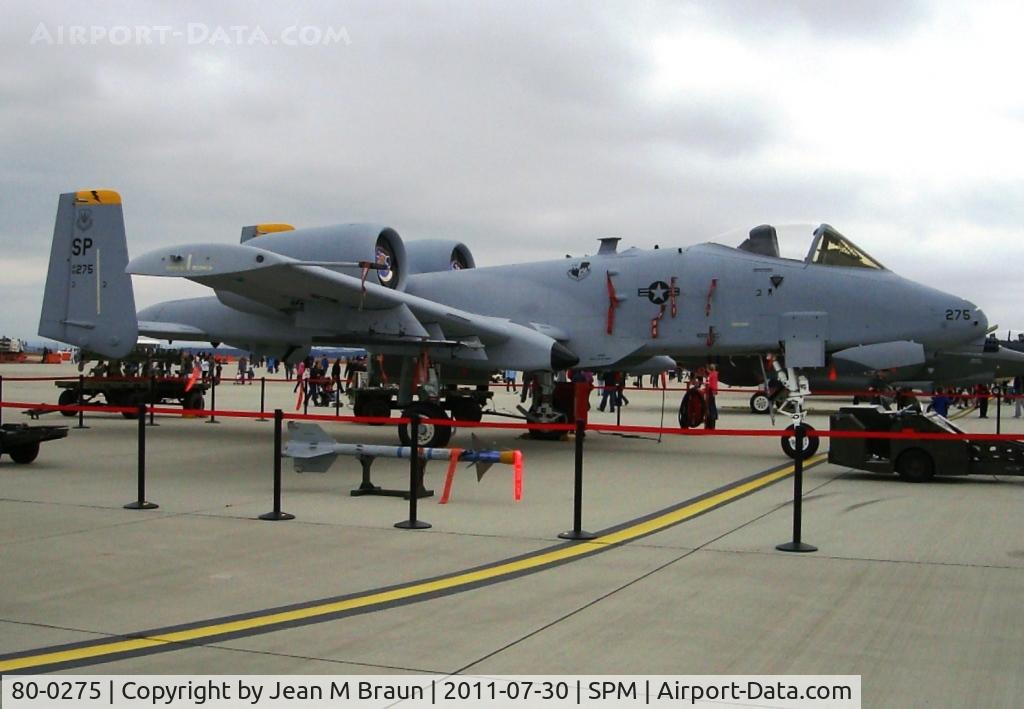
(760, 403)
(546, 415)
(430, 435)
(810, 443)
(913, 465)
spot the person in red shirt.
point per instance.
(710, 393)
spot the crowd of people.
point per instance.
(698, 408)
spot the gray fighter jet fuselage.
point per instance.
(614, 310)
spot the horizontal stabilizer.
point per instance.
(883, 355)
(171, 331)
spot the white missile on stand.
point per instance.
(313, 451)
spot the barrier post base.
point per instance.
(412, 524)
(366, 488)
(577, 535)
(141, 505)
(796, 546)
(276, 516)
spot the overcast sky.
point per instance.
(527, 130)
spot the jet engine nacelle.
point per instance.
(434, 255)
(371, 243)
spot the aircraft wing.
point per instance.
(350, 308)
(171, 331)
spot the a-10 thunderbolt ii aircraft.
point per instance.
(284, 290)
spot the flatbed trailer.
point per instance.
(21, 441)
(917, 459)
(123, 391)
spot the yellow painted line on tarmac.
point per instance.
(107, 650)
(962, 413)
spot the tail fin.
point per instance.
(88, 299)
(309, 446)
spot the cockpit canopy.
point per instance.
(829, 248)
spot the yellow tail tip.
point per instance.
(97, 197)
(262, 229)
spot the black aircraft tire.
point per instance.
(430, 435)
(915, 466)
(25, 453)
(538, 435)
(68, 398)
(811, 443)
(760, 403)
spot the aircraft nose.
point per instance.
(981, 319)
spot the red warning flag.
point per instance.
(192, 379)
(517, 467)
(450, 477)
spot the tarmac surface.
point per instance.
(917, 588)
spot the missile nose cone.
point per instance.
(562, 357)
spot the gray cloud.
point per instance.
(523, 130)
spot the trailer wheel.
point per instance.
(430, 435)
(915, 466)
(193, 401)
(25, 453)
(68, 398)
(760, 403)
(378, 408)
(811, 443)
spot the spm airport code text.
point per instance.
(363, 692)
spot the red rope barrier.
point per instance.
(525, 426)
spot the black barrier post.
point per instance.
(277, 514)
(1, 398)
(263, 398)
(81, 396)
(213, 400)
(141, 504)
(798, 494)
(305, 396)
(577, 532)
(415, 472)
(999, 408)
(152, 398)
